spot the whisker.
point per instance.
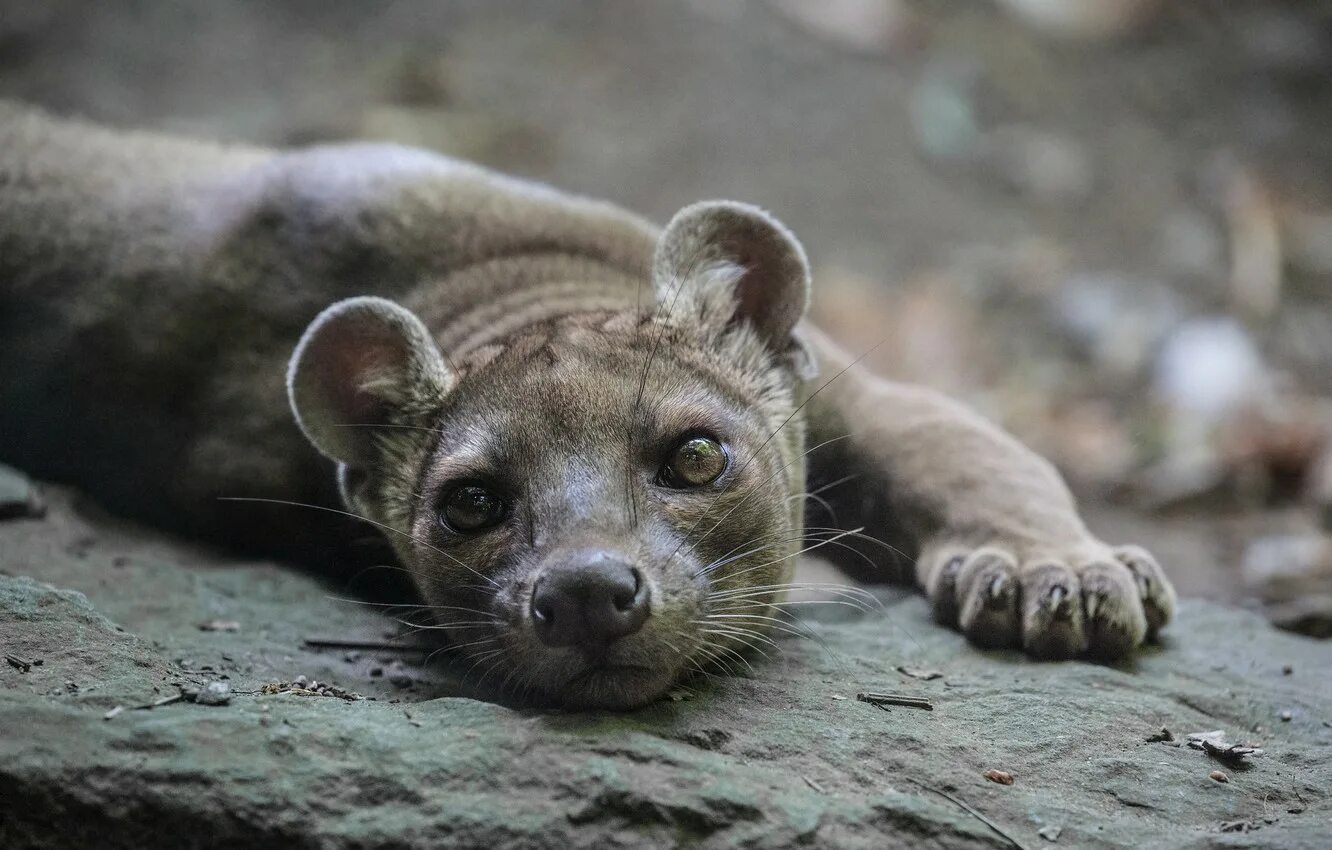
(778, 626)
(744, 636)
(844, 590)
(410, 537)
(795, 554)
(421, 606)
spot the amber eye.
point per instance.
(472, 508)
(696, 462)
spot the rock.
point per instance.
(771, 760)
(944, 111)
(1085, 20)
(1291, 576)
(1208, 369)
(18, 496)
(1044, 166)
(214, 693)
(862, 26)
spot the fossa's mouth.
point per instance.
(615, 686)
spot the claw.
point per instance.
(1144, 583)
(953, 565)
(1090, 603)
(1054, 600)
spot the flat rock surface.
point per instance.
(783, 756)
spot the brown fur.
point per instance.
(152, 289)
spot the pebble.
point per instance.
(1218, 776)
(18, 497)
(1050, 833)
(1083, 20)
(214, 693)
(1209, 367)
(1002, 777)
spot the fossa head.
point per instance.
(603, 502)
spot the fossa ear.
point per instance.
(363, 363)
(741, 245)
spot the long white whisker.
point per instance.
(410, 537)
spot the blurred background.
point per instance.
(1106, 223)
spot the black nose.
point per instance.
(589, 602)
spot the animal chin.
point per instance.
(609, 685)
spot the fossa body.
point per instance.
(587, 439)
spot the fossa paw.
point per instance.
(1053, 603)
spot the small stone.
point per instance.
(1218, 776)
(1285, 716)
(1050, 833)
(220, 626)
(18, 497)
(1287, 670)
(214, 693)
(1002, 777)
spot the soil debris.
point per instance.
(916, 673)
(22, 666)
(1214, 743)
(220, 626)
(302, 687)
(1002, 777)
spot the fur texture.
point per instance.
(454, 326)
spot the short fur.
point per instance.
(452, 324)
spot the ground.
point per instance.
(1116, 247)
(783, 756)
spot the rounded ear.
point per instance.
(770, 275)
(360, 362)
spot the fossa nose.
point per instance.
(590, 600)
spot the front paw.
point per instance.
(1053, 602)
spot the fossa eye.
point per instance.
(470, 508)
(696, 462)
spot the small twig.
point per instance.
(881, 700)
(368, 645)
(20, 665)
(158, 703)
(147, 706)
(812, 784)
(969, 810)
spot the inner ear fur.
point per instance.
(771, 280)
(362, 363)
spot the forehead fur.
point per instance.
(597, 373)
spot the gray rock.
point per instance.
(214, 693)
(18, 496)
(774, 759)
